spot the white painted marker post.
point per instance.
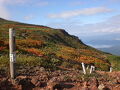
(87, 67)
(92, 69)
(12, 47)
(110, 69)
(83, 66)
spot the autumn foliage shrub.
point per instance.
(34, 51)
(1, 43)
(2, 48)
(30, 43)
(66, 65)
(4, 62)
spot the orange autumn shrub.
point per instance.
(1, 42)
(89, 59)
(34, 51)
(30, 43)
(66, 49)
(67, 53)
(2, 48)
(89, 52)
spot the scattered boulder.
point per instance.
(94, 84)
(35, 80)
(85, 86)
(101, 87)
(52, 83)
(26, 84)
(5, 84)
(42, 69)
(116, 87)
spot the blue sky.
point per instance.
(78, 17)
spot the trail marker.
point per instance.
(12, 52)
(83, 66)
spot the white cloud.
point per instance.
(20, 1)
(77, 3)
(110, 26)
(42, 3)
(4, 13)
(86, 11)
(29, 17)
(4, 2)
(4, 10)
(100, 46)
(114, 0)
(117, 39)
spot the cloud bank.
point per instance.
(4, 13)
(86, 11)
(29, 17)
(112, 25)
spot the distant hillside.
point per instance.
(48, 47)
(114, 50)
(108, 43)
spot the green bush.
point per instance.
(88, 76)
(66, 64)
(102, 66)
(4, 61)
(30, 61)
(77, 66)
(115, 62)
(25, 60)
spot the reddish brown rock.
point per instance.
(35, 80)
(101, 87)
(85, 86)
(52, 83)
(26, 84)
(117, 87)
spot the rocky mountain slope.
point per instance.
(48, 47)
(50, 59)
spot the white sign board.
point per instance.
(12, 57)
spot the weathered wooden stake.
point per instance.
(12, 47)
(83, 66)
(110, 69)
(91, 69)
(87, 67)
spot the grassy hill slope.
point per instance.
(48, 47)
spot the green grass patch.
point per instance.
(115, 62)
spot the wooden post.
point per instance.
(83, 66)
(110, 69)
(87, 67)
(92, 69)
(12, 47)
